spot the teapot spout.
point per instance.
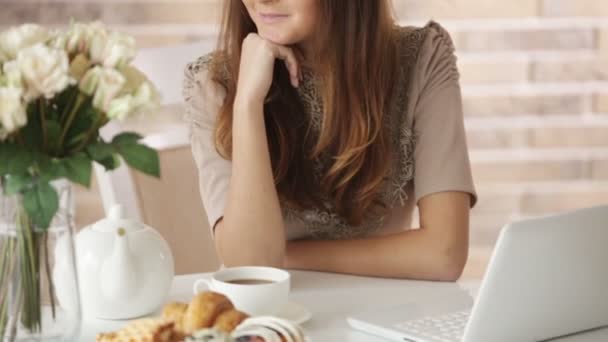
(118, 273)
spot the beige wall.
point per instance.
(535, 85)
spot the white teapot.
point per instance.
(125, 269)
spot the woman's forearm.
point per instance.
(411, 255)
(251, 232)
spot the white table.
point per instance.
(331, 298)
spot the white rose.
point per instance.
(12, 75)
(12, 110)
(90, 80)
(145, 95)
(145, 98)
(110, 83)
(120, 108)
(58, 39)
(18, 38)
(112, 50)
(45, 71)
(78, 37)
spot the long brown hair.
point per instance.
(357, 65)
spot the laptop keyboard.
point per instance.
(443, 328)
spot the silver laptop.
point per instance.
(548, 277)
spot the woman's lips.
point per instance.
(271, 18)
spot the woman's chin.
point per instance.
(277, 38)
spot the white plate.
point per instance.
(295, 313)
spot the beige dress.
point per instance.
(426, 124)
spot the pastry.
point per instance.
(175, 312)
(227, 321)
(203, 311)
(209, 335)
(143, 330)
(210, 317)
(269, 329)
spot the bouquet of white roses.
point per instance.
(57, 89)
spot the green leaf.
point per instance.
(41, 203)
(110, 163)
(78, 169)
(142, 158)
(127, 138)
(14, 159)
(50, 168)
(100, 151)
(17, 183)
(104, 154)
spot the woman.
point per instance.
(317, 126)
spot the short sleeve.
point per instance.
(203, 99)
(441, 157)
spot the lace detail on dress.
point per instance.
(325, 224)
(196, 94)
(311, 98)
(190, 85)
(403, 135)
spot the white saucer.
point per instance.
(295, 313)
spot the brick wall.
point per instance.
(535, 84)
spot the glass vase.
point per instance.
(39, 297)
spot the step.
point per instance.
(414, 10)
(576, 66)
(569, 8)
(600, 102)
(512, 166)
(553, 98)
(537, 132)
(532, 34)
(489, 70)
(544, 39)
(539, 198)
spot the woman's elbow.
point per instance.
(452, 262)
(447, 259)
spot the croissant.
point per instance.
(206, 310)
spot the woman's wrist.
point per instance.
(247, 108)
(246, 102)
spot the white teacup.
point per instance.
(253, 290)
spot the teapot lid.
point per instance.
(117, 219)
